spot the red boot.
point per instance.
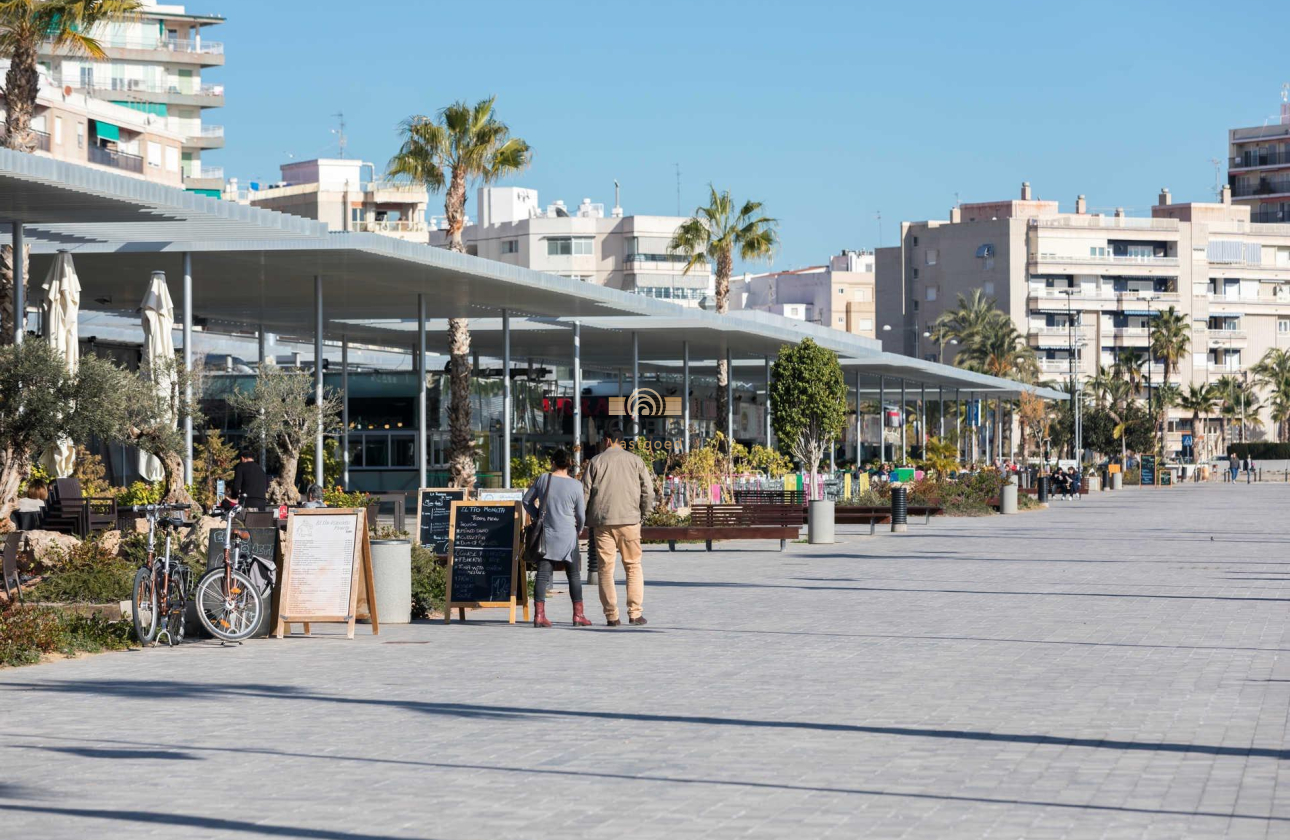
(579, 617)
(539, 615)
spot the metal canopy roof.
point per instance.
(256, 268)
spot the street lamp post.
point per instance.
(1156, 431)
(914, 328)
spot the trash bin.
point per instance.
(899, 509)
(593, 559)
(392, 580)
(819, 522)
(1042, 495)
(1008, 497)
(1117, 480)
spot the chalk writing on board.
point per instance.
(322, 565)
(483, 553)
(436, 506)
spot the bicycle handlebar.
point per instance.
(157, 508)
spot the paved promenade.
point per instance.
(1112, 668)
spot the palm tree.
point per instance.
(717, 232)
(24, 25)
(1100, 386)
(1200, 400)
(999, 350)
(974, 316)
(1170, 337)
(463, 143)
(1273, 373)
(1128, 365)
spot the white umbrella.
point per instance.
(62, 303)
(158, 353)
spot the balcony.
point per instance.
(116, 160)
(1269, 217)
(197, 51)
(1254, 158)
(203, 96)
(1265, 186)
(394, 227)
(208, 137)
(1056, 365)
(1219, 337)
(1128, 335)
(1105, 223)
(1064, 259)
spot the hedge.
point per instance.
(1261, 450)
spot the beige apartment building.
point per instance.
(839, 295)
(154, 65)
(1258, 167)
(1080, 284)
(80, 129)
(615, 250)
(343, 193)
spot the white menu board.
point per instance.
(322, 565)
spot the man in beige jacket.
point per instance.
(620, 491)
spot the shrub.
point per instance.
(429, 582)
(87, 574)
(139, 493)
(525, 470)
(29, 630)
(338, 498)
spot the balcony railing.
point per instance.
(1270, 217)
(1105, 222)
(1266, 186)
(117, 160)
(1259, 158)
(210, 131)
(1056, 365)
(140, 86)
(398, 226)
(1129, 332)
(197, 46)
(1058, 331)
(1113, 260)
(1218, 335)
(207, 172)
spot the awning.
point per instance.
(107, 131)
(1147, 313)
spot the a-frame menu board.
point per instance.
(484, 568)
(326, 558)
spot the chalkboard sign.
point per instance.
(1148, 470)
(264, 543)
(483, 557)
(434, 506)
(326, 559)
(1166, 479)
(500, 494)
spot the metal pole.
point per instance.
(769, 430)
(730, 401)
(904, 453)
(922, 418)
(636, 382)
(344, 412)
(422, 423)
(882, 419)
(318, 377)
(262, 341)
(998, 428)
(859, 424)
(20, 285)
(188, 354)
(506, 398)
(940, 411)
(685, 396)
(577, 395)
(958, 428)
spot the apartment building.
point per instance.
(154, 65)
(1082, 286)
(1258, 167)
(839, 295)
(615, 250)
(343, 193)
(81, 129)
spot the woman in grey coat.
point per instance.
(557, 498)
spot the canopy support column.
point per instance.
(20, 282)
(882, 419)
(506, 398)
(318, 377)
(859, 424)
(922, 418)
(940, 411)
(958, 433)
(344, 412)
(769, 429)
(904, 451)
(636, 384)
(188, 351)
(262, 342)
(420, 367)
(577, 396)
(685, 396)
(730, 402)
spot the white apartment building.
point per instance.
(1258, 167)
(839, 295)
(154, 65)
(1085, 283)
(81, 129)
(622, 252)
(345, 194)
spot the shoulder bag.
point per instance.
(533, 531)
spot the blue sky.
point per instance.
(828, 112)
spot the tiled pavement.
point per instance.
(1107, 668)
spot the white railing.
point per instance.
(1219, 335)
(1056, 365)
(208, 172)
(1061, 331)
(1105, 222)
(177, 45)
(401, 226)
(141, 86)
(209, 131)
(1113, 260)
(1129, 332)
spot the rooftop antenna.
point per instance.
(678, 188)
(340, 132)
(1218, 178)
(878, 216)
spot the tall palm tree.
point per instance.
(716, 232)
(461, 144)
(1100, 386)
(24, 25)
(999, 350)
(974, 316)
(1170, 338)
(1128, 365)
(1201, 401)
(1273, 373)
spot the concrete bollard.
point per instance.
(819, 522)
(1008, 497)
(392, 580)
(1117, 481)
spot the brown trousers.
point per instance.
(612, 540)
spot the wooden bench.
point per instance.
(682, 533)
(854, 516)
(753, 522)
(925, 511)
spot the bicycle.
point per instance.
(229, 604)
(160, 589)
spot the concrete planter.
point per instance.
(819, 522)
(1008, 497)
(1117, 481)
(392, 580)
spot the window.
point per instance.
(1283, 325)
(915, 241)
(356, 214)
(58, 131)
(87, 75)
(864, 295)
(839, 319)
(842, 291)
(80, 135)
(172, 159)
(154, 154)
(866, 323)
(564, 246)
(988, 287)
(510, 246)
(933, 255)
(931, 293)
(915, 274)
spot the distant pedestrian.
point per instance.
(1233, 464)
(1074, 477)
(249, 481)
(620, 491)
(1249, 469)
(557, 499)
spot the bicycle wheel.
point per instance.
(177, 605)
(231, 618)
(143, 603)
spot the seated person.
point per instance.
(29, 512)
(314, 497)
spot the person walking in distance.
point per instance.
(620, 491)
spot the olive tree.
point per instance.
(160, 402)
(281, 412)
(808, 401)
